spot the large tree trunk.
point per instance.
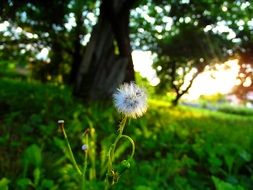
(53, 68)
(107, 61)
(76, 59)
(76, 55)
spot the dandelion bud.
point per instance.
(85, 147)
(60, 121)
(124, 165)
(130, 100)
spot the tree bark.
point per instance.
(76, 55)
(76, 59)
(56, 58)
(107, 61)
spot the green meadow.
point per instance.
(178, 148)
(126, 95)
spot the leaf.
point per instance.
(32, 156)
(47, 184)
(142, 187)
(229, 160)
(23, 183)
(222, 185)
(36, 175)
(4, 183)
(245, 155)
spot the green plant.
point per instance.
(222, 185)
(4, 184)
(237, 110)
(177, 148)
(130, 100)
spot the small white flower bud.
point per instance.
(85, 147)
(60, 121)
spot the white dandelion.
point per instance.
(130, 100)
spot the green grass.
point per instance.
(176, 148)
(236, 110)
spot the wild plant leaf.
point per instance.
(4, 184)
(33, 156)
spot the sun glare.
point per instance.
(222, 80)
(143, 61)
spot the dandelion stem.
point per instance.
(69, 148)
(132, 142)
(113, 146)
(111, 152)
(85, 164)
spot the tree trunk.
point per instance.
(102, 68)
(179, 91)
(76, 55)
(176, 99)
(56, 58)
(76, 59)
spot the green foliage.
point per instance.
(32, 156)
(30, 31)
(184, 55)
(176, 148)
(221, 185)
(4, 184)
(186, 36)
(142, 81)
(213, 99)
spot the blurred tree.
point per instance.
(186, 35)
(107, 61)
(239, 18)
(245, 74)
(181, 35)
(40, 27)
(33, 30)
(183, 56)
(81, 10)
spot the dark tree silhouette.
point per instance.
(107, 61)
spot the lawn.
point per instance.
(176, 148)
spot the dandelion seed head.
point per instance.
(130, 100)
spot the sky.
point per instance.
(143, 61)
(213, 82)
